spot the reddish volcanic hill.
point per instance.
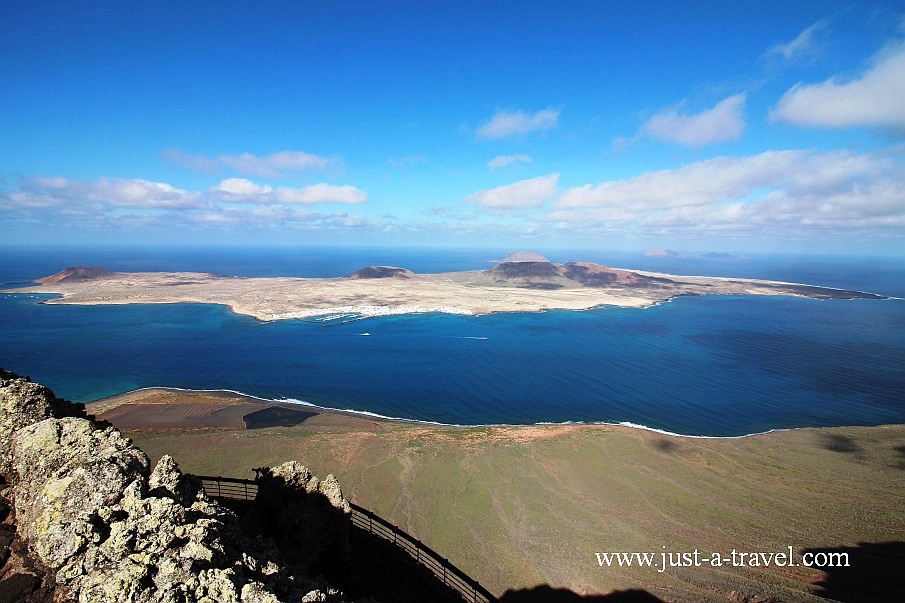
(383, 272)
(74, 274)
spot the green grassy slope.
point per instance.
(515, 507)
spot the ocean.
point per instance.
(712, 365)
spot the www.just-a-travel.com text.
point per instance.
(663, 560)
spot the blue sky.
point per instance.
(743, 126)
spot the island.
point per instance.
(522, 282)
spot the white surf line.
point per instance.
(368, 311)
(743, 279)
(366, 413)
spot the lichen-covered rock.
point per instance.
(23, 403)
(255, 593)
(67, 470)
(298, 477)
(168, 480)
(330, 488)
(111, 529)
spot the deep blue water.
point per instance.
(721, 365)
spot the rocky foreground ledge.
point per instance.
(94, 522)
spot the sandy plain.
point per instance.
(516, 507)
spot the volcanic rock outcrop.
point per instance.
(542, 274)
(382, 272)
(103, 526)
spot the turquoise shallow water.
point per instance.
(722, 365)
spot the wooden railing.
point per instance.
(232, 489)
(453, 577)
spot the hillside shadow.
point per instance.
(665, 445)
(839, 443)
(314, 538)
(276, 416)
(874, 573)
(310, 533)
(547, 594)
(381, 570)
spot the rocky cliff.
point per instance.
(95, 522)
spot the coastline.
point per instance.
(480, 494)
(458, 293)
(106, 404)
(584, 369)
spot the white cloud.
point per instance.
(280, 217)
(133, 204)
(696, 183)
(321, 193)
(511, 123)
(723, 122)
(876, 99)
(103, 192)
(529, 193)
(805, 45)
(502, 161)
(240, 190)
(773, 194)
(876, 206)
(275, 165)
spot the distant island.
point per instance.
(521, 282)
